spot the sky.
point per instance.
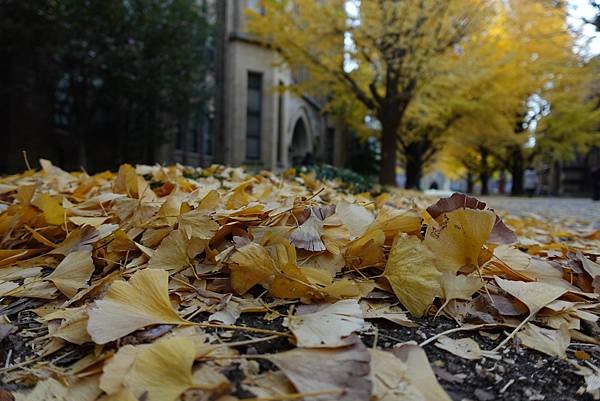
(578, 10)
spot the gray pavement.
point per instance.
(582, 209)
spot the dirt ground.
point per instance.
(521, 374)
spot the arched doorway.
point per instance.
(299, 150)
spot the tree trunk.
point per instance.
(470, 182)
(517, 170)
(414, 165)
(484, 177)
(414, 172)
(484, 174)
(387, 165)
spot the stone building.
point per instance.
(251, 121)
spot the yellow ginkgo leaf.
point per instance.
(157, 372)
(366, 250)
(535, 295)
(129, 306)
(198, 224)
(412, 274)
(54, 213)
(393, 221)
(163, 370)
(172, 253)
(458, 287)
(458, 241)
(73, 272)
(250, 265)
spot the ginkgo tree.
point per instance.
(526, 54)
(377, 55)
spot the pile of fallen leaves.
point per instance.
(128, 286)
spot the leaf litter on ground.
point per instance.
(130, 286)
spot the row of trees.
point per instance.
(95, 83)
(471, 85)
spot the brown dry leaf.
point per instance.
(129, 306)
(550, 342)
(412, 274)
(73, 272)
(337, 374)
(466, 348)
(420, 375)
(458, 241)
(328, 326)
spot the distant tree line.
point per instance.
(474, 87)
(93, 83)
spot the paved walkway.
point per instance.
(578, 208)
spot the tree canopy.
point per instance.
(451, 81)
(100, 83)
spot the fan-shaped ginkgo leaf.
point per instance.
(129, 306)
(412, 274)
(73, 272)
(458, 241)
(328, 326)
(172, 253)
(163, 370)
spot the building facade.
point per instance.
(252, 120)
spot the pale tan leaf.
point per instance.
(198, 224)
(390, 378)
(328, 371)
(172, 253)
(329, 326)
(116, 368)
(129, 306)
(535, 295)
(420, 375)
(356, 217)
(393, 221)
(73, 272)
(550, 342)
(466, 348)
(459, 286)
(308, 235)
